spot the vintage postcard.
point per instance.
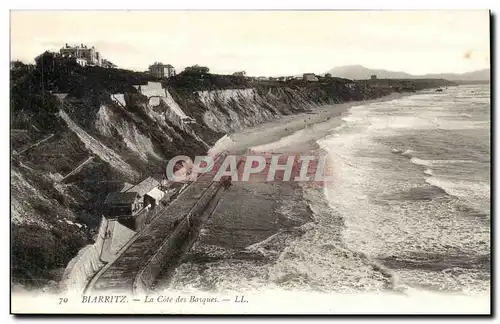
(250, 162)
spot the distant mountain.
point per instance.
(479, 75)
(359, 72)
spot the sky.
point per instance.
(268, 43)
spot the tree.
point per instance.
(46, 61)
(196, 69)
(17, 65)
(328, 75)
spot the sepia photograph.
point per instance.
(281, 162)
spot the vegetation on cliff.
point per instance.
(52, 219)
(327, 89)
(198, 78)
(59, 209)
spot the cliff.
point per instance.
(79, 133)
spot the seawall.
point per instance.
(161, 243)
(169, 254)
(87, 262)
(130, 134)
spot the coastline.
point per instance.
(274, 249)
(274, 214)
(278, 129)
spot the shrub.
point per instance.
(36, 252)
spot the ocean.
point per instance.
(409, 210)
(413, 187)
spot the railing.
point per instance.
(33, 145)
(184, 232)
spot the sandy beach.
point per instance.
(301, 130)
(254, 221)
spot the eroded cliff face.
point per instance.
(70, 149)
(230, 110)
(62, 174)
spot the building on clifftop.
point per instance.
(84, 55)
(240, 73)
(310, 77)
(160, 70)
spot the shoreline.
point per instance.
(296, 123)
(275, 130)
(255, 222)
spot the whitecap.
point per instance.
(407, 152)
(422, 162)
